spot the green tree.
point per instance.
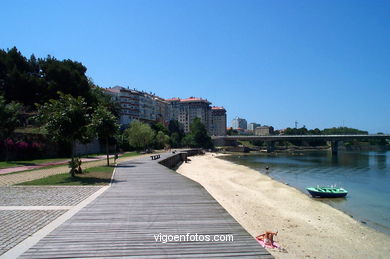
(9, 120)
(175, 140)
(161, 139)
(65, 76)
(189, 141)
(139, 135)
(33, 80)
(342, 131)
(97, 97)
(19, 78)
(176, 133)
(105, 125)
(231, 132)
(158, 126)
(67, 118)
(200, 134)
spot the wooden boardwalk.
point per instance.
(146, 199)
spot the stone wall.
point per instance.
(178, 157)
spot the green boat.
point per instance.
(327, 192)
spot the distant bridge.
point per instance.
(271, 139)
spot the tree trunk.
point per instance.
(72, 149)
(72, 170)
(115, 153)
(6, 150)
(108, 159)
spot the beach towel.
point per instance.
(263, 244)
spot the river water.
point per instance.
(366, 176)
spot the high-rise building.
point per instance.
(239, 123)
(218, 121)
(162, 110)
(139, 105)
(146, 107)
(186, 110)
(129, 101)
(252, 126)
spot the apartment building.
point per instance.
(218, 121)
(253, 125)
(129, 101)
(162, 110)
(186, 110)
(239, 123)
(147, 107)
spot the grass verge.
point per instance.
(8, 164)
(129, 154)
(100, 175)
(4, 164)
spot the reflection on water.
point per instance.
(366, 175)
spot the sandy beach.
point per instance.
(307, 228)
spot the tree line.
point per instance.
(328, 131)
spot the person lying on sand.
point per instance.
(268, 237)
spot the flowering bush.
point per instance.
(21, 145)
(37, 146)
(9, 142)
(21, 149)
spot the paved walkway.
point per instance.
(15, 169)
(11, 179)
(145, 200)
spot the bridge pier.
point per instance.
(334, 146)
(270, 146)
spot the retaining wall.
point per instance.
(178, 157)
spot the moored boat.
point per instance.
(327, 192)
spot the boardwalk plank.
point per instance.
(147, 199)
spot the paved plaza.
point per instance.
(26, 209)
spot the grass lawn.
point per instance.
(8, 164)
(4, 164)
(129, 154)
(100, 175)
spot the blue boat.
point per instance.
(327, 192)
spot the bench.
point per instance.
(154, 157)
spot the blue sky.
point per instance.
(321, 63)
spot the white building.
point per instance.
(129, 101)
(239, 123)
(252, 126)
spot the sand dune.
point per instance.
(307, 228)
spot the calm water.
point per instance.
(366, 176)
